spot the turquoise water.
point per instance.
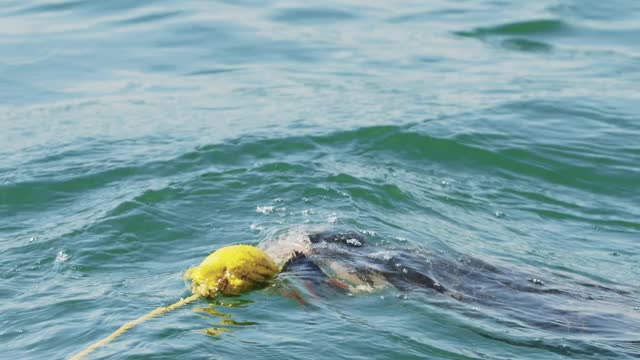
(137, 137)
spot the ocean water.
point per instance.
(138, 136)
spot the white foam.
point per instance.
(62, 257)
(264, 209)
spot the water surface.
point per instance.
(135, 138)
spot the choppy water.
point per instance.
(136, 137)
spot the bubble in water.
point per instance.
(536, 281)
(499, 214)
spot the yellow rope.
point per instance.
(131, 324)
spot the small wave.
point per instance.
(531, 27)
(52, 7)
(526, 45)
(429, 15)
(521, 36)
(607, 12)
(146, 18)
(96, 6)
(312, 15)
(211, 71)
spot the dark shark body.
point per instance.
(519, 296)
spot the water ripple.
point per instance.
(493, 143)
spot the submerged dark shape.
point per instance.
(347, 262)
(373, 272)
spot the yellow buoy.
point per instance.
(230, 270)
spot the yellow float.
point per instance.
(230, 270)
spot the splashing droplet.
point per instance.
(62, 257)
(264, 209)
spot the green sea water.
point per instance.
(137, 137)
